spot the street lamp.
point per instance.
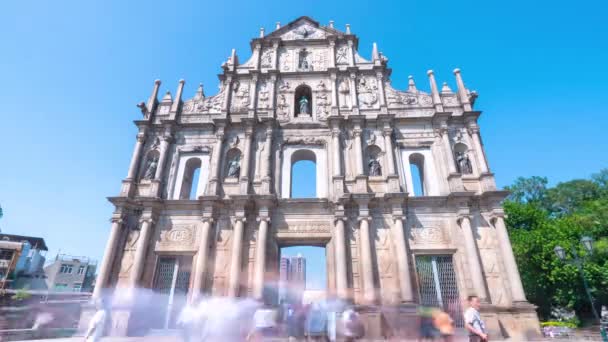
(579, 261)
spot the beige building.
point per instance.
(406, 205)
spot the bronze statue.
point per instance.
(375, 169)
(464, 163)
(151, 168)
(304, 107)
(234, 167)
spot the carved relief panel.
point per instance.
(387, 267)
(240, 96)
(367, 90)
(223, 244)
(177, 238)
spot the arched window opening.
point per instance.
(463, 162)
(149, 171)
(303, 101)
(233, 163)
(417, 173)
(303, 174)
(374, 163)
(190, 181)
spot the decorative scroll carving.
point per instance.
(240, 100)
(304, 141)
(285, 60)
(264, 95)
(204, 104)
(304, 31)
(266, 60)
(282, 107)
(322, 101)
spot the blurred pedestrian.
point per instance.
(473, 322)
(316, 322)
(444, 324)
(352, 327)
(264, 324)
(97, 323)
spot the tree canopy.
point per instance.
(541, 217)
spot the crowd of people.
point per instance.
(215, 319)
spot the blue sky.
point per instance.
(72, 72)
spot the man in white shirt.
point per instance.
(97, 323)
(473, 323)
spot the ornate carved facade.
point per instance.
(306, 93)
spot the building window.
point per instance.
(81, 269)
(6, 254)
(77, 287)
(61, 287)
(66, 268)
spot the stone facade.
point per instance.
(306, 93)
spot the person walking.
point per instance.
(97, 323)
(473, 322)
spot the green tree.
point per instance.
(540, 218)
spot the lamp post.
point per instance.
(579, 261)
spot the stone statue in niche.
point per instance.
(234, 167)
(464, 163)
(151, 168)
(375, 169)
(303, 63)
(304, 105)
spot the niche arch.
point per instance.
(302, 91)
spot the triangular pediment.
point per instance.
(303, 28)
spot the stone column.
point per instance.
(379, 78)
(435, 92)
(141, 138)
(473, 130)
(388, 145)
(351, 53)
(335, 146)
(200, 273)
(462, 92)
(235, 260)
(216, 170)
(517, 289)
(447, 147)
(353, 91)
(164, 144)
(108, 258)
(140, 252)
(260, 259)
(367, 270)
(403, 264)
(332, 53)
(358, 151)
(267, 160)
(246, 159)
(271, 93)
(253, 93)
(475, 268)
(334, 92)
(340, 249)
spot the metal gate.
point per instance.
(172, 283)
(437, 285)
